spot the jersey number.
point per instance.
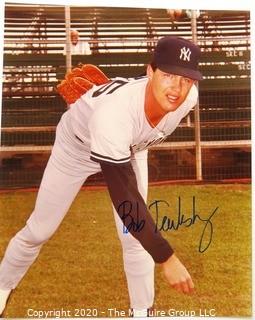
(109, 87)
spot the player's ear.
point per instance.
(149, 71)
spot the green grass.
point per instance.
(81, 266)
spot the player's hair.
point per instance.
(153, 66)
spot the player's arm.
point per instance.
(131, 208)
(122, 186)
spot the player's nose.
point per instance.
(175, 84)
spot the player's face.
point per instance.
(168, 89)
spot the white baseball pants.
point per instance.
(67, 169)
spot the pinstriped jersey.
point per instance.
(111, 122)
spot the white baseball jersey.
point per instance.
(111, 122)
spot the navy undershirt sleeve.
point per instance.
(131, 208)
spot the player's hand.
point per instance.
(79, 80)
(177, 275)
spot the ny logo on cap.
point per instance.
(185, 54)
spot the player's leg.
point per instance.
(64, 175)
(138, 263)
(4, 295)
(53, 200)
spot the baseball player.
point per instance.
(110, 128)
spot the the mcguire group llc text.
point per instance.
(115, 313)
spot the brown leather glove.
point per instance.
(79, 80)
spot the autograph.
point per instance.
(167, 223)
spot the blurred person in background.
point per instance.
(78, 46)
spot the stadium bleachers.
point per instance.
(121, 42)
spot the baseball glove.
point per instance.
(79, 80)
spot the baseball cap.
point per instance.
(178, 56)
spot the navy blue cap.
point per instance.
(178, 56)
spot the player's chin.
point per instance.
(171, 107)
